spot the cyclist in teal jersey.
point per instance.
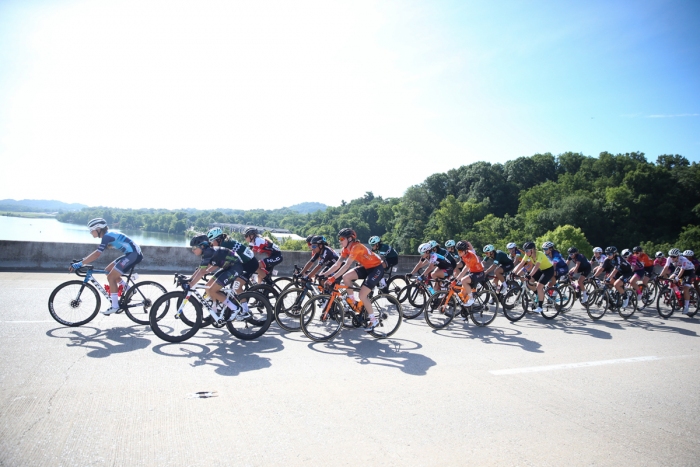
(502, 265)
(247, 265)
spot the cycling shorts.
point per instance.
(391, 262)
(224, 277)
(688, 276)
(626, 276)
(371, 276)
(272, 261)
(448, 272)
(649, 270)
(476, 278)
(543, 277)
(507, 268)
(127, 261)
(584, 270)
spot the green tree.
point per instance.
(566, 236)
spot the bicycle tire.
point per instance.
(387, 309)
(416, 295)
(568, 297)
(261, 315)
(282, 283)
(438, 311)
(395, 286)
(631, 308)
(512, 312)
(71, 305)
(485, 307)
(693, 310)
(267, 291)
(597, 304)
(288, 308)
(551, 307)
(168, 324)
(667, 302)
(139, 299)
(322, 319)
(649, 293)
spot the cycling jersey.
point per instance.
(636, 263)
(541, 258)
(446, 254)
(356, 251)
(613, 262)
(557, 260)
(660, 262)
(644, 258)
(387, 253)
(517, 256)
(264, 245)
(599, 259)
(579, 258)
(680, 262)
(502, 259)
(471, 261)
(325, 256)
(440, 261)
(218, 256)
(243, 252)
(118, 241)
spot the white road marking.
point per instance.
(566, 366)
(46, 321)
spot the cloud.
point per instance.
(672, 115)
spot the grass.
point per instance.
(31, 215)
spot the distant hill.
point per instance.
(38, 205)
(306, 208)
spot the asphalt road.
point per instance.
(564, 392)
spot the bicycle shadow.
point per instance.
(389, 353)
(103, 343)
(227, 355)
(570, 323)
(490, 335)
(662, 326)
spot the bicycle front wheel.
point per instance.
(485, 307)
(597, 304)
(387, 309)
(174, 319)
(74, 303)
(568, 297)
(510, 305)
(395, 286)
(628, 311)
(552, 303)
(139, 299)
(439, 311)
(257, 320)
(288, 308)
(415, 296)
(667, 303)
(321, 319)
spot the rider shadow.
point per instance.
(492, 335)
(228, 356)
(103, 342)
(390, 353)
(570, 324)
(644, 323)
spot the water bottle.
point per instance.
(431, 290)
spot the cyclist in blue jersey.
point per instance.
(131, 255)
(583, 268)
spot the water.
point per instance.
(50, 230)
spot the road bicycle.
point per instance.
(77, 302)
(443, 306)
(670, 299)
(551, 306)
(291, 301)
(177, 316)
(607, 297)
(416, 292)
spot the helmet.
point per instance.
(97, 223)
(309, 238)
(424, 247)
(512, 245)
(250, 231)
(637, 249)
(611, 250)
(572, 250)
(449, 243)
(529, 245)
(214, 233)
(374, 240)
(199, 240)
(347, 233)
(547, 245)
(659, 254)
(626, 253)
(597, 250)
(688, 253)
(489, 248)
(319, 240)
(433, 243)
(674, 252)
(461, 245)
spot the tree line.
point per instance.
(571, 199)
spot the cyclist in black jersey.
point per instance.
(263, 245)
(617, 269)
(451, 251)
(389, 256)
(248, 264)
(502, 265)
(444, 253)
(323, 255)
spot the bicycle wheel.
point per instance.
(693, 303)
(667, 302)
(174, 323)
(510, 305)
(394, 287)
(597, 304)
(415, 296)
(288, 308)
(282, 283)
(438, 311)
(74, 303)
(485, 307)
(568, 297)
(648, 294)
(267, 291)
(552, 303)
(258, 319)
(628, 311)
(138, 301)
(387, 309)
(322, 319)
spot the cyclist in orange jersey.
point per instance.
(473, 272)
(370, 270)
(646, 261)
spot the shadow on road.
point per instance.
(104, 342)
(226, 354)
(459, 329)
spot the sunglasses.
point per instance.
(674, 256)
(313, 247)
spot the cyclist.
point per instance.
(684, 272)
(560, 267)
(473, 272)
(131, 256)
(598, 258)
(389, 256)
(583, 268)
(515, 253)
(542, 270)
(435, 264)
(646, 261)
(450, 247)
(617, 269)
(370, 270)
(660, 260)
(263, 245)
(690, 255)
(502, 265)
(435, 246)
(637, 269)
(248, 264)
(324, 255)
(228, 266)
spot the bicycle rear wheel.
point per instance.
(415, 296)
(510, 305)
(438, 311)
(257, 323)
(387, 309)
(139, 299)
(667, 303)
(628, 311)
(568, 297)
(266, 291)
(485, 307)
(74, 303)
(288, 308)
(174, 323)
(597, 304)
(395, 286)
(322, 319)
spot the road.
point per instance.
(568, 391)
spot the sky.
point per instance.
(246, 105)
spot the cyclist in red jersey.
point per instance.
(370, 270)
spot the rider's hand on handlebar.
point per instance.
(76, 265)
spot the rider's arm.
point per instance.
(418, 266)
(92, 257)
(198, 274)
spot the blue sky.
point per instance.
(322, 101)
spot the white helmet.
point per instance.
(511, 245)
(424, 247)
(449, 243)
(688, 253)
(659, 254)
(598, 250)
(674, 252)
(547, 245)
(97, 223)
(626, 252)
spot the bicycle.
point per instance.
(551, 306)
(291, 301)
(607, 297)
(395, 285)
(324, 315)
(76, 302)
(416, 292)
(670, 299)
(441, 308)
(182, 317)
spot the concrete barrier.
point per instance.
(50, 256)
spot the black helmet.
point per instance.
(319, 240)
(611, 250)
(637, 249)
(529, 246)
(250, 231)
(572, 250)
(347, 233)
(309, 238)
(461, 245)
(200, 241)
